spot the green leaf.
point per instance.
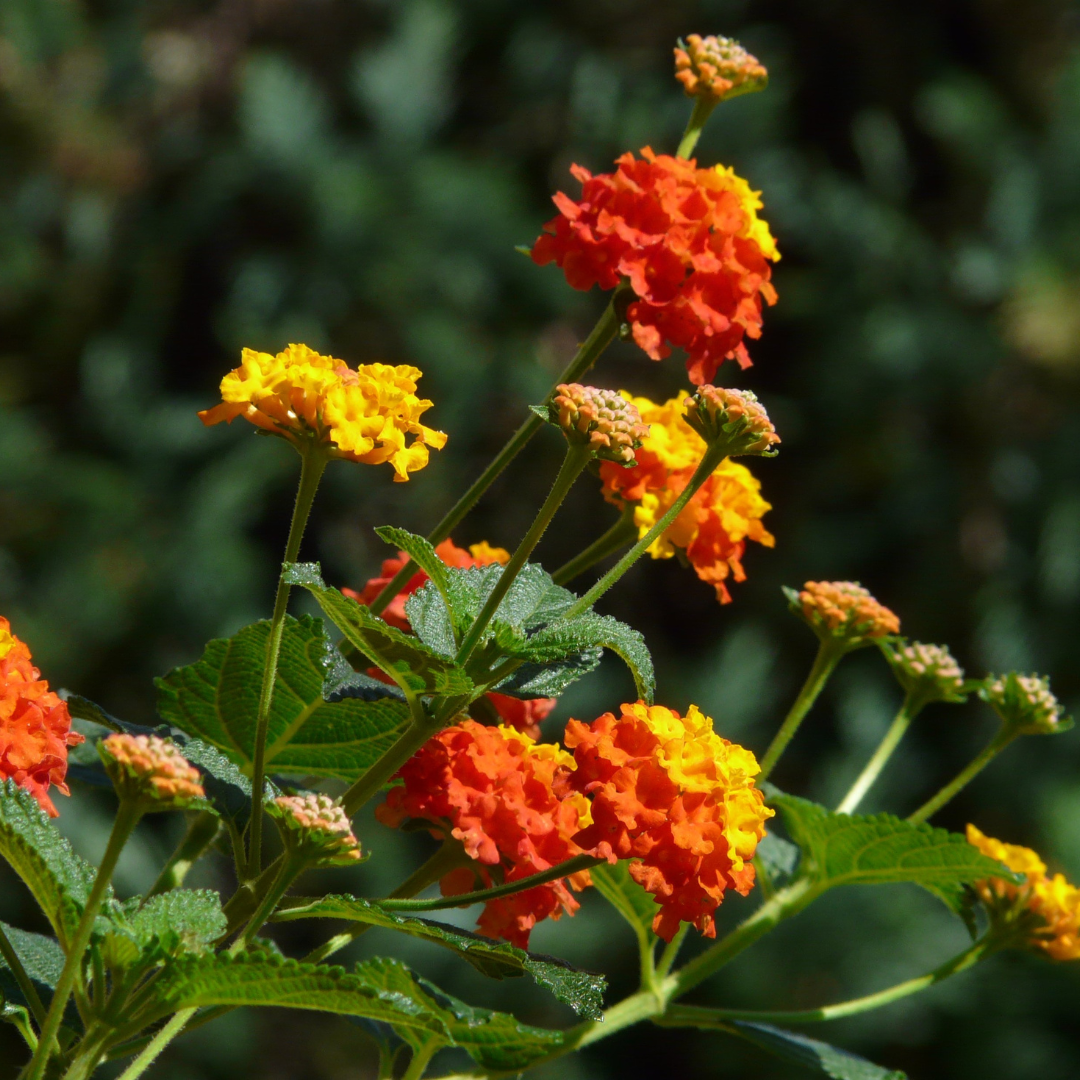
(216, 700)
(854, 849)
(421, 552)
(779, 858)
(812, 1053)
(414, 666)
(171, 924)
(58, 879)
(42, 958)
(627, 897)
(581, 990)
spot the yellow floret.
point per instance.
(756, 229)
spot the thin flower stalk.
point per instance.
(25, 983)
(932, 805)
(872, 770)
(618, 536)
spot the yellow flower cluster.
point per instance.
(365, 414)
(1053, 899)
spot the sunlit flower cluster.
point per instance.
(1053, 900)
(845, 611)
(675, 797)
(318, 824)
(493, 789)
(733, 419)
(150, 769)
(689, 242)
(603, 420)
(365, 414)
(926, 672)
(714, 526)
(717, 68)
(35, 727)
(1026, 704)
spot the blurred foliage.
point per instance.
(184, 177)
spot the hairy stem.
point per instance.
(201, 831)
(157, 1044)
(619, 535)
(25, 983)
(964, 777)
(577, 457)
(410, 740)
(603, 333)
(828, 656)
(291, 867)
(313, 457)
(703, 108)
(671, 951)
(865, 780)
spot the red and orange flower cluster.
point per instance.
(689, 242)
(35, 727)
(523, 715)
(713, 528)
(649, 785)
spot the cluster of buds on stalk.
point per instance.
(843, 613)
(603, 420)
(927, 673)
(150, 772)
(733, 419)
(717, 68)
(316, 828)
(1025, 704)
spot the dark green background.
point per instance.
(181, 179)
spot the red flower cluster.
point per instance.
(35, 726)
(672, 795)
(494, 790)
(523, 715)
(689, 242)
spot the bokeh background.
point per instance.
(182, 178)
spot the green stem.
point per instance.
(865, 780)
(421, 1058)
(564, 869)
(410, 740)
(964, 777)
(25, 983)
(703, 108)
(619, 535)
(714, 455)
(603, 333)
(127, 817)
(577, 457)
(313, 458)
(828, 656)
(671, 951)
(696, 1016)
(158, 1044)
(201, 831)
(291, 867)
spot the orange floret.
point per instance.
(717, 68)
(846, 609)
(318, 824)
(493, 789)
(151, 769)
(1054, 900)
(689, 242)
(35, 726)
(713, 528)
(674, 796)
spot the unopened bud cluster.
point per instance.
(927, 672)
(151, 771)
(734, 418)
(717, 68)
(601, 419)
(318, 825)
(1025, 704)
(843, 612)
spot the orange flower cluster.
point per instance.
(318, 824)
(844, 609)
(689, 242)
(151, 770)
(35, 726)
(523, 715)
(717, 68)
(493, 789)
(670, 793)
(1054, 900)
(714, 526)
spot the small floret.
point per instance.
(150, 771)
(735, 419)
(603, 420)
(1025, 704)
(843, 612)
(316, 825)
(926, 672)
(717, 68)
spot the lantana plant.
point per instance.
(423, 690)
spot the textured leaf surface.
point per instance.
(58, 879)
(626, 896)
(170, 924)
(853, 849)
(42, 958)
(216, 700)
(420, 550)
(581, 990)
(405, 658)
(812, 1053)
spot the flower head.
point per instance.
(843, 612)
(734, 418)
(1044, 910)
(151, 771)
(674, 796)
(493, 789)
(1025, 704)
(689, 242)
(717, 68)
(603, 420)
(712, 529)
(926, 672)
(317, 825)
(35, 726)
(366, 414)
